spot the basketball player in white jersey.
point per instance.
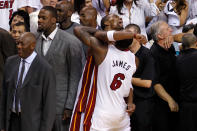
(115, 65)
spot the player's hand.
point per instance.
(67, 114)
(174, 107)
(141, 38)
(168, 42)
(130, 109)
(2, 130)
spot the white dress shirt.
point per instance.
(47, 41)
(138, 14)
(34, 21)
(28, 62)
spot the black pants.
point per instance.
(164, 119)
(141, 119)
(188, 116)
(15, 122)
(61, 125)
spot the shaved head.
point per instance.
(64, 11)
(90, 10)
(29, 37)
(88, 17)
(189, 40)
(66, 5)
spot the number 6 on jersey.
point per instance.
(116, 83)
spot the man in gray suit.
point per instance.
(64, 53)
(28, 93)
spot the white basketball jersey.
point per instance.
(7, 7)
(114, 81)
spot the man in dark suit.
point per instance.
(65, 54)
(28, 93)
(7, 48)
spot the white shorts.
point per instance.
(110, 122)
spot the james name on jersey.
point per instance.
(120, 63)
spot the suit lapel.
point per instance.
(32, 69)
(39, 46)
(16, 70)
(14, 80)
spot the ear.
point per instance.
(160, 36)
(69, 13)
(53, 20)
(33, 46)
(95, 17)
(196, 44)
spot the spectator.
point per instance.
(28, 93)
(34, 15)
(64, 53)
(142, 81)
(64, 13)
(78, 5)
(176, 12)
(19, 16)
(165, 116)
(88, 16)
(133, 11)
(186, 73)
(18, 29)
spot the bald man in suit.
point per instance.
(28, 94)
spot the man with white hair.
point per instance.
(165, 87)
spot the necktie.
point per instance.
(20, 80)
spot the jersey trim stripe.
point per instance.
(91, 102)
(86, 84)
(82, 100)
